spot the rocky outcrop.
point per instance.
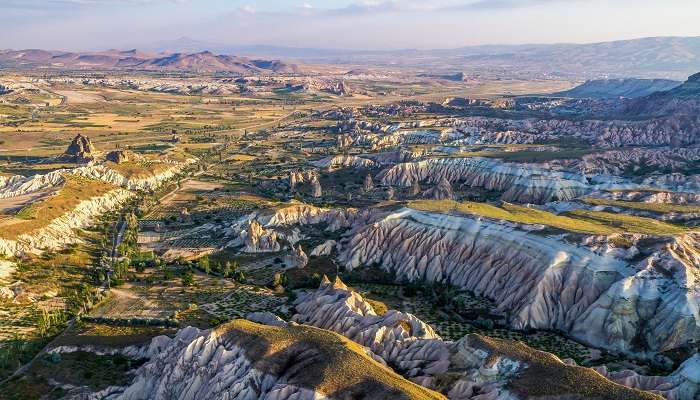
(638, 160)
(344, 161)
(324, 249)
(297, 258)
(298, 178)
(304, 214)
(674, 182)
(7, 268)
(259, 239)
(244, 360)
(80, 150)
(61, 231)
(543, 282)
(334, 307)
(275, 230)
(368, 184)
(475, 367)
(18, 185)
(519, 183)
(118, 156)
(390, 193)
(316, 190)
(148, 181)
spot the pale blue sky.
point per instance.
(352, 24)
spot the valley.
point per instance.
(203, 226)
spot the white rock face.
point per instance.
(392, 336)
(302, 177)
(304, 214)
(475, 367)
(297, 258)
(675, 182)
(518, 183)
(615, 162)
(205, 365)
(268, 231)
(243, 360)
(150, 182)
(258, 239)
(392, 137)
(673, 130)
(542, 282)
(7, 268)
(61, 231)
(344, 161)
(325, 248)
(441, 191)
(18, 185)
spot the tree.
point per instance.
(227, 269)
(187, 278)
(205, 265)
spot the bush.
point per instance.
(187, 278)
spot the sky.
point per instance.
(338, 24)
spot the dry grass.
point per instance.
(514, 213)
(102, 335)
(379, 307)
(578, 221)
(139, 169)
(630, 223)
(546, 377)
(40, 214)
(336, 366)
(636, 205)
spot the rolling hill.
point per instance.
(202, 62)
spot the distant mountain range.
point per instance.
(661, 57)
(657, 57)
(203, 62)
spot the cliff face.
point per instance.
(543, 282)
(149, 181)
(522, 184)
(61, 231)
(18, 185)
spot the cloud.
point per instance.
(504, 4)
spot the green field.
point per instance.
(578, 221)
(638, 205)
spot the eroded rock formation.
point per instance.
(243, 360)
(475, 367)
(80, 150)
(522, 184)
(344, 161)
(543, 282)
